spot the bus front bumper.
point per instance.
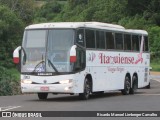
(47, 88)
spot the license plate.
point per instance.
(44, 88)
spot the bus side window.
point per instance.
(90, 38)
(119, 41)
(80, 37)
(127, 42)
(110, 40)
(135, 43)
(100, 40)
(146, 44)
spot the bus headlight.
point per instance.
(26, 81)
(65, 81)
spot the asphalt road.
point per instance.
(143, 100)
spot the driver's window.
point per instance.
(80, 37)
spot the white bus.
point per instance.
(82, 58)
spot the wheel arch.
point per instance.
(87, 87)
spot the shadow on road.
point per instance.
(155, 89)
(75, 98)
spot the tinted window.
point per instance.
(80, 37)
(80, 60)
(90, 39)
(109, 40)
(127, 42)
(60, 39)
(100, 40)
(35, 38)
(59, 43)
(146, 43)
(135, 42)
(119, 41)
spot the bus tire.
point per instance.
(148, 86)
(127, 86)
(42, 96)
(134, 85)
(99, 93)
(87, 90)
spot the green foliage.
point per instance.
(8, 83)
(137, 7)
(11, 28)
(24, 9)
(48, 11)
(132, 14)
(153, 12)
(154, 37)
(15, 14)
(135, 22)
(155, 64)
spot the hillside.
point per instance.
(17, 14)
(133, 14)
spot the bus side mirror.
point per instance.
(73, 54)
(16, 57)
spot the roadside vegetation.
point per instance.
(16, 14)
(155, 64)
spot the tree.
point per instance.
(154, 37)
(23, 8)
(11, 28)
(48, 11)
(135, 7)
(9, 85)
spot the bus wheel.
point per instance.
(99, 93)
(87, 90)
(148, 86)
(42, 96)
(134, 85)
(127, 86)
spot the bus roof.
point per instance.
(74, 25)
(137, 31)
(97, 25)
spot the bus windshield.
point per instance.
(47, 50)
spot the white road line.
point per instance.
(8, 108)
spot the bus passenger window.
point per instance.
(100, 39)
(119, 41)
(90, 39)
(135, 43)
(110, 40)
(80, 37)
(146, 43)
(127, 42)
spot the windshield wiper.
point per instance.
(53, 66)
(41, 62)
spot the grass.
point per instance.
(9, 81)
(15, 73)
(155, 64)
